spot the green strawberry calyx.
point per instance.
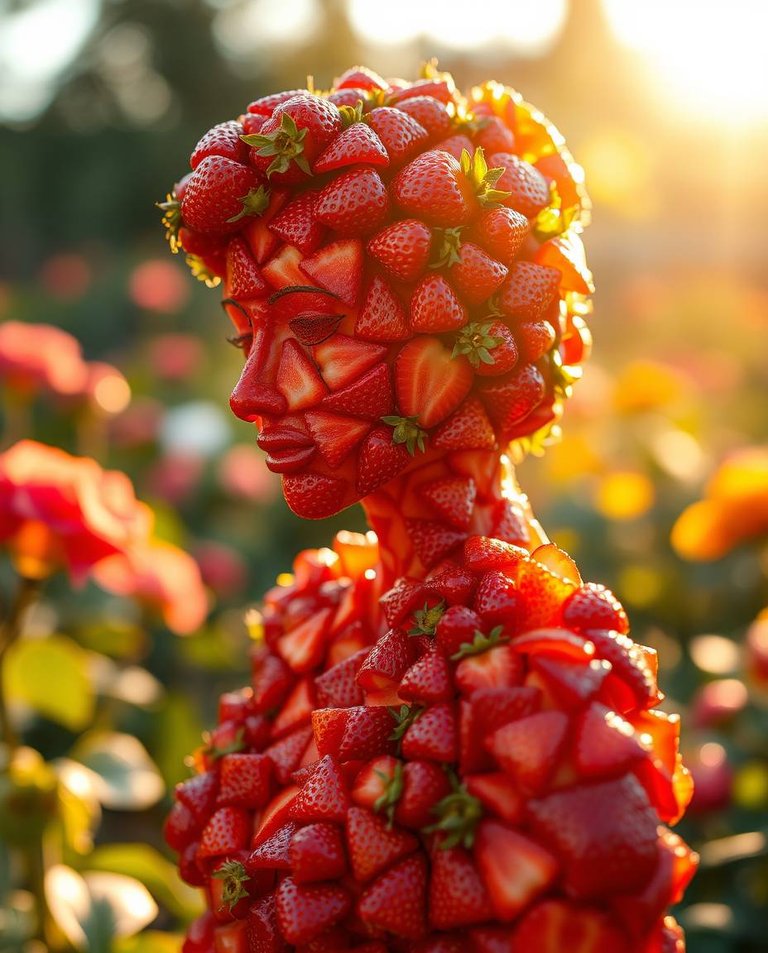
(171, 220)
(393, 788)
(234, 876)
(482, 178)
(447, 247)
(481, 643)
(476, 342)
(407, 431)
(458, 815)
(426, 619)
(254, 203)
(286, 144)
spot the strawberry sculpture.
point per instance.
(450, 743)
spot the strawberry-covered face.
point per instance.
(404, 272)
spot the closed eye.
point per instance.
(242, 341)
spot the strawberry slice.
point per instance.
(244, 280)
(296, 225)
(335, 436)
(303, 647)
(357, 144)
(386, 663)
(554, 926)
(305, 911)
(529, 749)
(488, 665)
(338, 267)
(452, 497)
(499, 795)
(396, 900)
(605, 743)
(467, 429)
(282, 270)
(297, 377)
(337, 687)
(513, 867)
(382, 317)
(370, 396)
(570, 684)
(435, 307)
(429, 383)
(342, 359)
(373, 844)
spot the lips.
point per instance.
(287, 449)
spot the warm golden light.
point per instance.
(709, 56)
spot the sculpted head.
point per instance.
(403, 270)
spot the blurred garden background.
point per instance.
(666, 106)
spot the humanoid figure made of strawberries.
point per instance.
(450, 742)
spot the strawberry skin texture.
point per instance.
(213, 195)
(354, 203)
(434, 189)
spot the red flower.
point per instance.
(161, 575)
(59, 510)
(40, 357)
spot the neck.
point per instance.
(421, 516)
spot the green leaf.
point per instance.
(149, 867)
(126, 777)
(51, 676)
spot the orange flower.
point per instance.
(59, 510)
(37, 357)
(161, 575)
(734, 508)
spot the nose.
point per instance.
(255, 394)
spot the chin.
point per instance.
(315, 496)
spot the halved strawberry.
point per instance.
(499, 795)
(402, 249)
(513, 867)
(432, 735)
(297, 377)
(383, 316)
(305, 911)
(337, 267)
(282, 270)
(605, 743)
(457, 895)
(432, 539)
(373, 844)
(245, 780)
(324, 797)
(380, 460)
(370, 396)
(530, 748)
(484, 663)
(468, 428)
(605, 834)
(317, 853)
(354, 203)
(342, 359)
(570, 683)
(429, 383)
(435, 307)
(357, 144)
(303, 646)
(553, 926)
(386, 663)
(244, 280)
(396, 900)
(296, 225)
(335, 436)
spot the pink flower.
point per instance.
(37, 357)
(162, 576)
(59, 510)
